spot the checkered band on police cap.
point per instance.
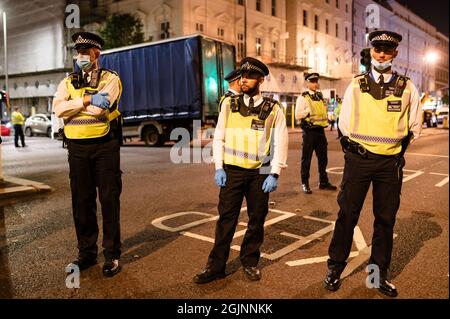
(81, 40)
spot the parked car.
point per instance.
(441, 112)
(38, 124)
(5, 128)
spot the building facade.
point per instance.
(37, 53)
(292, 37)
(320, 40)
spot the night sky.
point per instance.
(433, 11)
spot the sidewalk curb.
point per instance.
(21, 187)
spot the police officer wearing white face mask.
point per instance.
(380, 116)
(88, 102)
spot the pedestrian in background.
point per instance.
(379, 116)
(18, 121)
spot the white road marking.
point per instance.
(158, 222)
(197, 236)
(443, 182)
(430, 155)
(407, 177)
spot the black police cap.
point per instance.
(254, 65)
(311, 76)
(233, 75)
(384, 38)
(86, 40)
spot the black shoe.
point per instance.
(252, 273)
(387, 288)
(111, 268)
(306, 189)
(332, 281)
(208, 275)
(327, 186)
(84, 263)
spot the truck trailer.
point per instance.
(168, 84)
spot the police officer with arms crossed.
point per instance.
(312, 111)
(242, 144)
(234, 86)
(87, 101)
(380, 114)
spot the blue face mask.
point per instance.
(84, 62)
(381, 65)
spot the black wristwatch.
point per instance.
(275, 175)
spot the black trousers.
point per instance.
(314, 139)
(96, 165)
(240, 183)
(386, 178)
(18, 132)
(339, 131)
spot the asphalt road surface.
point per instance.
(168, 214)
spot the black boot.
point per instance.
(387, 288)
(327, 186)
(208, 275)
(306, 189)
(332, 281)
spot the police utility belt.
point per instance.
(351, 146)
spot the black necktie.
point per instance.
(251, 103)
(381, 79)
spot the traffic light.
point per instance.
(365, 60)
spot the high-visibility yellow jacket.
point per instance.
(379, 123)
(318, 115)
(17, 118)
(247, 138)
(84, 125)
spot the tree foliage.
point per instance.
(121, 30)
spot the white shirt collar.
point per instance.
(257, 99)
(376, 75)
(233, 91)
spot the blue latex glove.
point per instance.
(100, 100)
(270, 184)
(221, 177)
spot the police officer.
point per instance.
(87, 101)
(241, 149)
(234, 86)
(312, 111)
(380, 111)
(18, 120)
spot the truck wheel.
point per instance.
(49, 132)
(28, 132)
(151, 137)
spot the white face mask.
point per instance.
(84, 62)
(382, 65)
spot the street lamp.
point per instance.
(6, 82)
(430, 58)
(6, 51)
